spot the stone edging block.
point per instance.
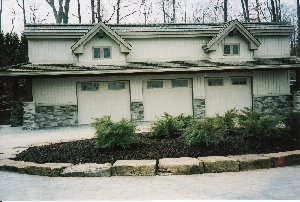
(47, 169)
(134, 168)
(88, 170)
(252, 161)
(218, 164)
(166, 166)
(281, 159)
(179, 166)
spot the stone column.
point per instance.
(137, 111)
(296, 101)
(16, 114)
(199, 108)
(29, 120)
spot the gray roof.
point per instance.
(135, 30)
(147, 67)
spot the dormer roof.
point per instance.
(77, 48)
(229, 27)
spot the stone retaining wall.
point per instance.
(199, 108)
(166, 166)
(272, 104)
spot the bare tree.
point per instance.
(79, 11)
(245, 7)
(93, 10)
(62, 15)
(225, 10)
(99, 17)
(168, 10)
(275, 10)
(174, 11)
(23, 9)
(257, 8)
(118, 11)
(146, 10)
(13, 20)
(298, 46)
(1, 7)
(34, 18)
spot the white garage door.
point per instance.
(171, 96)
(96, 99)
(223, 94)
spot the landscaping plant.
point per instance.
(208, 131)
(111, 134)
(169, 126)
(254, 124)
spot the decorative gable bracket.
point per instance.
(229, 27)
(77, 48)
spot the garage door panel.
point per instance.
(95, 104)
(234, 92)
(169, 99)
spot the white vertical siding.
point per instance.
(116, 55)
(51, 51)
(166, 49)
(273, 47)
(53, 91)
(136, 90)
(270, 82)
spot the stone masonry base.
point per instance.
(296, 101)
(273, 104)
(137, 111)
(42, 116)
(199, 108)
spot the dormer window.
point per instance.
(101, 53)
(231, 49)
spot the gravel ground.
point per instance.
(84, 151)
(276, 183)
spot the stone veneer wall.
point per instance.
(273, 103)
(296, 101)
(29, 116)
(137, 111)
(199, 108)
(16, 114)
(56, 116)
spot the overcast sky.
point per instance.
(11, 11)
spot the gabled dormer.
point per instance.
(233, 43)
(101, 45)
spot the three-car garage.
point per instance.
(159, 96)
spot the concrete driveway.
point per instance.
(276, 183)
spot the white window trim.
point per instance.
(101, 52)
(231, 49)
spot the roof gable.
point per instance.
(228, 27)
(77, 48)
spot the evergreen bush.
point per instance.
(169, 126)
(111, 134)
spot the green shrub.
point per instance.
(111, 134)
(253, 124)
(292, 122)
(169, 126)
(229, 122)
(209, 131)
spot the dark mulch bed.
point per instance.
(84, 151)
